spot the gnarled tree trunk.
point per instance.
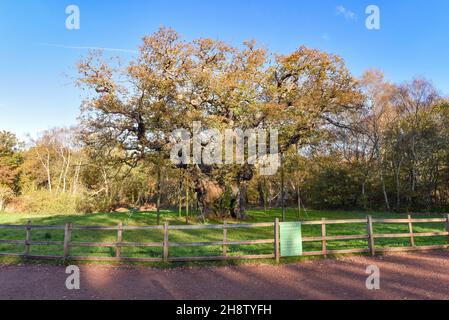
(213, 194)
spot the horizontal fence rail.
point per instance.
(69, 243)
(165, 244)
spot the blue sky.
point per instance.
(38, 54)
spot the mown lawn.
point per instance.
(142, 219)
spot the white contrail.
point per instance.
(89, 48)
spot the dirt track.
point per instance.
(403, 276)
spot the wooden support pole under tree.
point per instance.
(118, 248)
(410, 229)
(323, 236)
(187, 201)
(447, 226)
(276, 240)
(28, 238)
(166, 241)
(180, 197)
(158, 194)
(67, 239)
(298, 194)
(225, 238)
(369, 226)
(282, 188)
(194, 204)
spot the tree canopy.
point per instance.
(173, 83)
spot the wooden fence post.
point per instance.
(371, 244)
(67, 239)
(118, 249)
(323, 236)
(28, 238)
(225, 238)
(166, 241)
(276, 240)
(410, 229)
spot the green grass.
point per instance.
(142, 219)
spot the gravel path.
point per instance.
(403, 276)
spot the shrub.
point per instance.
(46, 202)
(224, 203)
(96, 203)
(6, 195)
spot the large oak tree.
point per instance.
(173, 83)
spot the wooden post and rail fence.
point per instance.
(166, 244)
